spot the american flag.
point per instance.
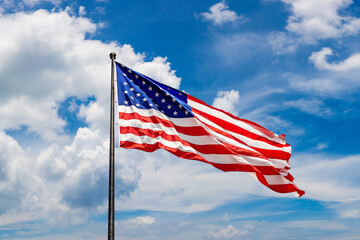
(153, 116)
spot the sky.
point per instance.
(292, 66)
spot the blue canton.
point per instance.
(145, 93)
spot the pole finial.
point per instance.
(112, 55)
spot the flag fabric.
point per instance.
(155, 116)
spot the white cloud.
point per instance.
(313, 106)
(13, 174)
(227, 233)
(41, 65)
(321, 146)
(45, 58)
(316, 224)
(282, 43)
(168, 183)
(319, 59)
(82, 11)
(22, 4)
(227, 101)
(139, 221)
(327, 85)
(32, 3)
(347, 209)
(220, 14)
(311, 21)
(328, 178)
(316, 20)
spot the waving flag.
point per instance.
(153, 115)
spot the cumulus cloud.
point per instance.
(337, 78)
(316, 20)
(13, 173)
(227, 101)
(67, 183)
(168, 183)
(220, 14)
(41, 65)
(320, 61)
(311, 21)
(45, 59)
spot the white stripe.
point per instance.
(250, 142)
(181, 122)
(237, 122)
(214, 158)
(276, 180)
(228, 140)
(199, 140)
(147, 125)
(191, 122)
(279, 163)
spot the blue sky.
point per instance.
(292, 66)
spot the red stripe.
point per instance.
(204, 149)
(252, 124)
(276, 154)
(151, 119)
(199, 130)
(283, 188)
(192, 131)
(153, 147)
(236, 129)
(153, 134)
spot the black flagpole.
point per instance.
(111, 219)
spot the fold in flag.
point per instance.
(153, 116)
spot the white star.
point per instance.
(150, 105)
(167, 94)
(150, 88)
(136, 76)
(138, 94)
(169, 106)
(175, 113)
(156, 105)
(144, 100)
(163, 100)
(131, 89)
(138, 105)
(180, 94)
(180, 106)
(132, 97)
(143, 82)
(162, 111)
(156, 94)
(124, 74)
(125, 83)
(186, 112)
(173, 100)
(125, 92)
(129, 70)
(126, 102)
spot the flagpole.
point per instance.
(111, 214)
